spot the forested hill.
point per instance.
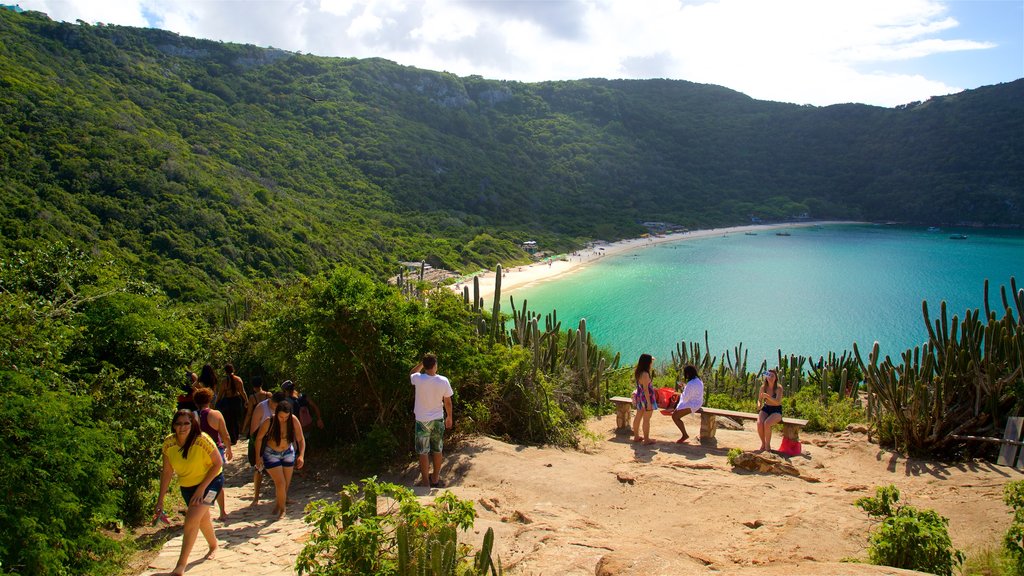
(203, 163)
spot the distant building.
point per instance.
(658, 228)
(14, 8)
(530, 246)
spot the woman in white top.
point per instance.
(690, 400)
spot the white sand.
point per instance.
(516, 277)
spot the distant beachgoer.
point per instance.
(769, 407)
(433, 412)
(690, 400)
(194, 457)
(231, 401)
(643, 398)
(280, 448)
(211, 422)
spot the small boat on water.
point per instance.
(751, 233)
(958, 236)
(783, 234)
(933, 229)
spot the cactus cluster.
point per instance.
(579, 355)
(960, 382)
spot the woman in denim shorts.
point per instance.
(280, 447)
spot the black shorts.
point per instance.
(216, 486)
(251, 454)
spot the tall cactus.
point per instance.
(497, 326)
(960, 382)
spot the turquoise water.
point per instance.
(815, 291)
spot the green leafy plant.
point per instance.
(1013, 542)
(382, 529)
(907, 536)
(824, 410)
(731, 456)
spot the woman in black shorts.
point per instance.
(769, 404)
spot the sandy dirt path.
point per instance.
(615, 507)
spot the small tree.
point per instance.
(909, 538)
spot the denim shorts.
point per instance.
(274, 458)
(216, 486)
(429, 436)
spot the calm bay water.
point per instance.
(815, 291)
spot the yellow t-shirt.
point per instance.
(193, 469)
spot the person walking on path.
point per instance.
(260, 413)
(211, 422)
(231, 400)
(690, 401)
(186, 400)
(433, 412)
(194, 457)
(280, 448)
(769, 408)
(643, 398)
(258, 395)
(303, 407)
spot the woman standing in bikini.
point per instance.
(643, 398)
(280, 447)
(769, 404)
(231, 401)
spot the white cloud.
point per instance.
(804, 51)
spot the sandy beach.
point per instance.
(518, 277)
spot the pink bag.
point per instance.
(305, 418)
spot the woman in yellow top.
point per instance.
(194, 457)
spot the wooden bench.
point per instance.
(1010, 453)
(709, 423)
(623, 413)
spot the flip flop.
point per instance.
(439, 484)
(682, 440)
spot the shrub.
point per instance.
(733, 453)
(827, 412)
(727, 402)
(908, 537)
(355, 537)
(1013, 542)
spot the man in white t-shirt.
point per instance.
(433, 410)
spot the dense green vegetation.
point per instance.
(167, 202)
(201, 163)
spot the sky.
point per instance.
(818, 52)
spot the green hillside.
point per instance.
(203, 163)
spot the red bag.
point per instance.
(790, 447)
(667, 399)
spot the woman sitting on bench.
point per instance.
(769, 404)
(690, 400)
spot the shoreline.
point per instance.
(518, 277)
